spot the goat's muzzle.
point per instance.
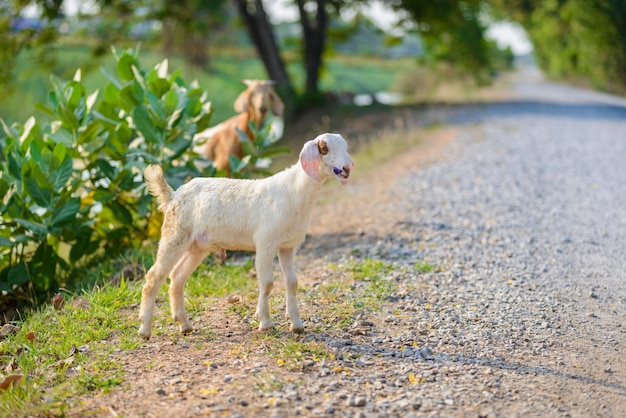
(343, 174)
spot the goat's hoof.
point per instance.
(186, 328)
(266, 327)
(297, 329)
(144, 335)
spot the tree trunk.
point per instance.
(314, 38)
(262, 35)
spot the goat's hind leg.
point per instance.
(286, 257)
(167, 255)
(183, 269)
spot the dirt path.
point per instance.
(507, 292)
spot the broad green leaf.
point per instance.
(88, 132)
(65, 212)
(127, 98)
(18, 274)
(160, 86)
(123, 132)
(112, 94)
(107, 169)
(178, 147)
(103, 118)
(124, 67)
(61, 175)
(103, 196)
(6, 242)
(170, 102)
(121, 213)
(155, 104)
(194, 107)
(144, 124)
(74, 93)
(59, 151)
(41, 196)
(14, 167)
(38, 229)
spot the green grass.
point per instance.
(222, 80)
(72, 352)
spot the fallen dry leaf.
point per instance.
(233, 299)
(12, 380)
(31, 336)
(8, 329)
(57, 301)
(11, 366)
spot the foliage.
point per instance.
(576, 39)
(73, 188)
(14, 40)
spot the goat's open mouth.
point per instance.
(342, 175)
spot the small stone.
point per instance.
(358, 401)
(426, 353)
(161, 392)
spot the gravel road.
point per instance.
(521, 209)
(529, 214)
(526, 213)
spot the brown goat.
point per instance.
(252, 105)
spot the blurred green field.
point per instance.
(221, 80)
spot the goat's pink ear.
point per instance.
(310, 159)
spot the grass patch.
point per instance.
(424, 267)
(375, 153)
(363, 286)
(72, 352)
(66, 352)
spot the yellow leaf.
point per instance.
(209, 391)
(280, 362)
(412, 378)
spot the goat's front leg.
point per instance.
(286, 257)
(264, 265)
(181, 272)
(167, 255)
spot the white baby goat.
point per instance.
(267, 216)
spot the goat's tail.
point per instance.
(157, 186)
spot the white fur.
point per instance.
(215, 214)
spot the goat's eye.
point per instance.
(323, 148)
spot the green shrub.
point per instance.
(73, 189)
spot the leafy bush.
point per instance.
(72, 188)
